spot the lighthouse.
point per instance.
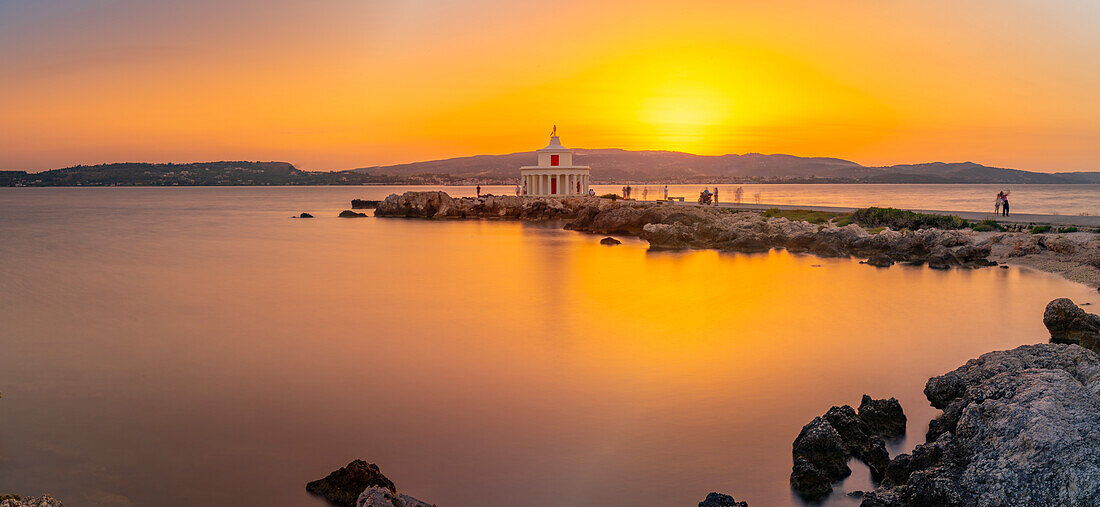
(555, 173)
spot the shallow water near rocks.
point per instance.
(184, 346)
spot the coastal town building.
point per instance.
(555, 173)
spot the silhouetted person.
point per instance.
(479, 190)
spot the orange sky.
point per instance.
(350, 83)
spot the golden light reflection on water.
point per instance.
(204, 337)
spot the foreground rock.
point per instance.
(720, 500)
(29, 501)
(1068, 323)
(361, 484)
(823, 447)
(343, 486)
(1019, 427)
(884, 417)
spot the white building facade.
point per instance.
(555, 173)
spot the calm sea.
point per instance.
(197, 346)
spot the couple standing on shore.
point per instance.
(1001, 206)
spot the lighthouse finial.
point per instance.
(554, 131)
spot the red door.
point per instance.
(553, 160)
(554, 183)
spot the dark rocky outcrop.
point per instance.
(820, 459)
(884, 417)
(305, 215)
(720, 500)
(351, 214)
(343, 486)
(1019, 427)
(609, 241)
(361, 484)
(1068, 323)
(823, 447)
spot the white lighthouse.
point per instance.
(555, 173)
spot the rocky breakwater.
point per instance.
(667, 226)
(437, 204)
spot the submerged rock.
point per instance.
(305, 215)
(1019, 427)
(1068, 323)
(351, 214)
(342, 487)
(720, 500)
(880, 260)
(884, 417)
(609, 241)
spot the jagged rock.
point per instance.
(376, 496)
(305, 215)
(859, 439)
(880, 260)
(720, 500)
(342, 487)
(884, 417)
(820, 459)
(29, 501)
(1020, 427)
(1068, 323)
(351, 214)
(416, 205)
(609, 241)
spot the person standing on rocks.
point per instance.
(997, 204)
(517, 190)
(645, 193)
(738, 194)
(479, 190)
(666, 192)
(1004, 205)
(716, 195)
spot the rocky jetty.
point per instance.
(29, 501)
(721, 500)
(1019, 427)
(823, 447)
(361, 484)
(667, 226)
(1068, 323)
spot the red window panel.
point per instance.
(553, 160)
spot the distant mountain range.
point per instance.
(623, 165)
(608, 165)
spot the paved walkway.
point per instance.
(1088, 221)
